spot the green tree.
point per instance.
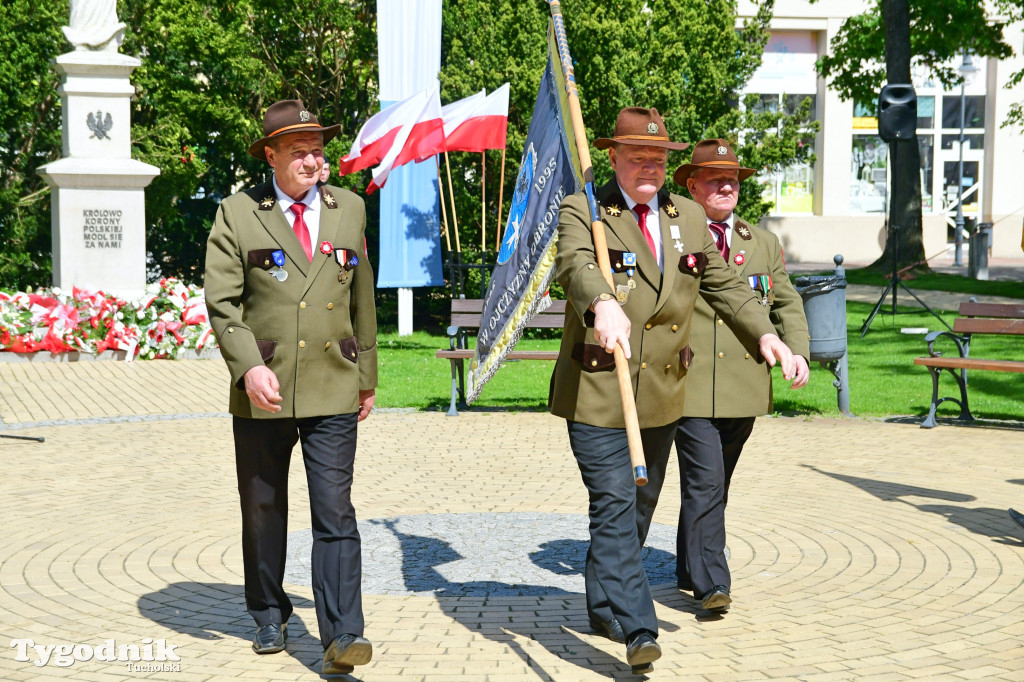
(880, 45)
(683, 57)
(30, 120)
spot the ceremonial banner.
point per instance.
(549, 171)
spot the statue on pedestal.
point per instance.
(94, 26)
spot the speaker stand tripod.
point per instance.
(896, 281)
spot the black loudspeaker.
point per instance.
(897, 112)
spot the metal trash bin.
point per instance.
(824, 298)
(980, 241)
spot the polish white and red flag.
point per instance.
(410, 130)
(477, 122)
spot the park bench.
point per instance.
(975, 318)
(466, 316)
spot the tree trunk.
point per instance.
(905, 187)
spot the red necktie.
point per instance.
(641, 219)
(300, 229)
(718, 230)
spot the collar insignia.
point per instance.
(670, 208)
(267, 203)
(328, 198)
(613, 210)
(742, 231)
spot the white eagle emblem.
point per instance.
(652, 128)
(99, 125)
(304, 116)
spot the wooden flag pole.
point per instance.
(451, 194)
(501, 197)
(444, 211)
(636, 449)
(483, 204)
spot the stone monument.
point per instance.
(98, 205)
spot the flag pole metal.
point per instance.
(451, 194)
(636, 450)
(501, 197)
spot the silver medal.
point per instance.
(280, 274)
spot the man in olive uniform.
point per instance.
(663, 260)
(726, 388)
(290, 296)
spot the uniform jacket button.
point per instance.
(302, 305)
(327, 345)
(648, 325)
(721, 355)
(747, 356)
(675, 327)
(643, 365)
(330, 306)
(668, 366)
(721, 322)
(302, 344)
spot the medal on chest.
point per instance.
(278, 272)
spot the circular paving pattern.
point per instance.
(477, 555)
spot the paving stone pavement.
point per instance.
(860, 549)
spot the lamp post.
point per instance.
(966, 69)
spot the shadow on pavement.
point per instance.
(987, 521)
(211, 611)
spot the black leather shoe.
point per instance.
(344, 652)
(717, 600)
(270, 638)
(608, 628)
(1017, 516)
(641, 652)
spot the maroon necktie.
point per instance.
(641, 219)
(300, 229)
(718, 230)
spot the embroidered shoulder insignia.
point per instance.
(672, 211)
(267, 203)
(328, 198)
(613, 210)
(742, 231)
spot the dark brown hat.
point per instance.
(711, 154)
(639, 126)
(285, 118)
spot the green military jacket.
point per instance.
(584, 386)
(316, 329)
(724, 379)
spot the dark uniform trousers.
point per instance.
(620, 517)
(262, 453)
(708, 451)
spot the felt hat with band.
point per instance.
(711, 154)
(285, 118)
(639, 126)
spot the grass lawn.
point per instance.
(883, 379)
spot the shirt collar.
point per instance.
(652, 204)
(286, 201)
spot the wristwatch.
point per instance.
(602, 297)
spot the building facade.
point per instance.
(838, 204)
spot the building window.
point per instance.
(867, 174)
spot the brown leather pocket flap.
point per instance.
(693, 263)
(686, 356)
(592, 357)
(617, 260)
(267, 349)
(349, 349)
(262, 258)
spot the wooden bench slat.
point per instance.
(980, 325)
(975, 309)
(972, 363)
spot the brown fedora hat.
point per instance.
(714, 153)
(639, 126)
(285, 118)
